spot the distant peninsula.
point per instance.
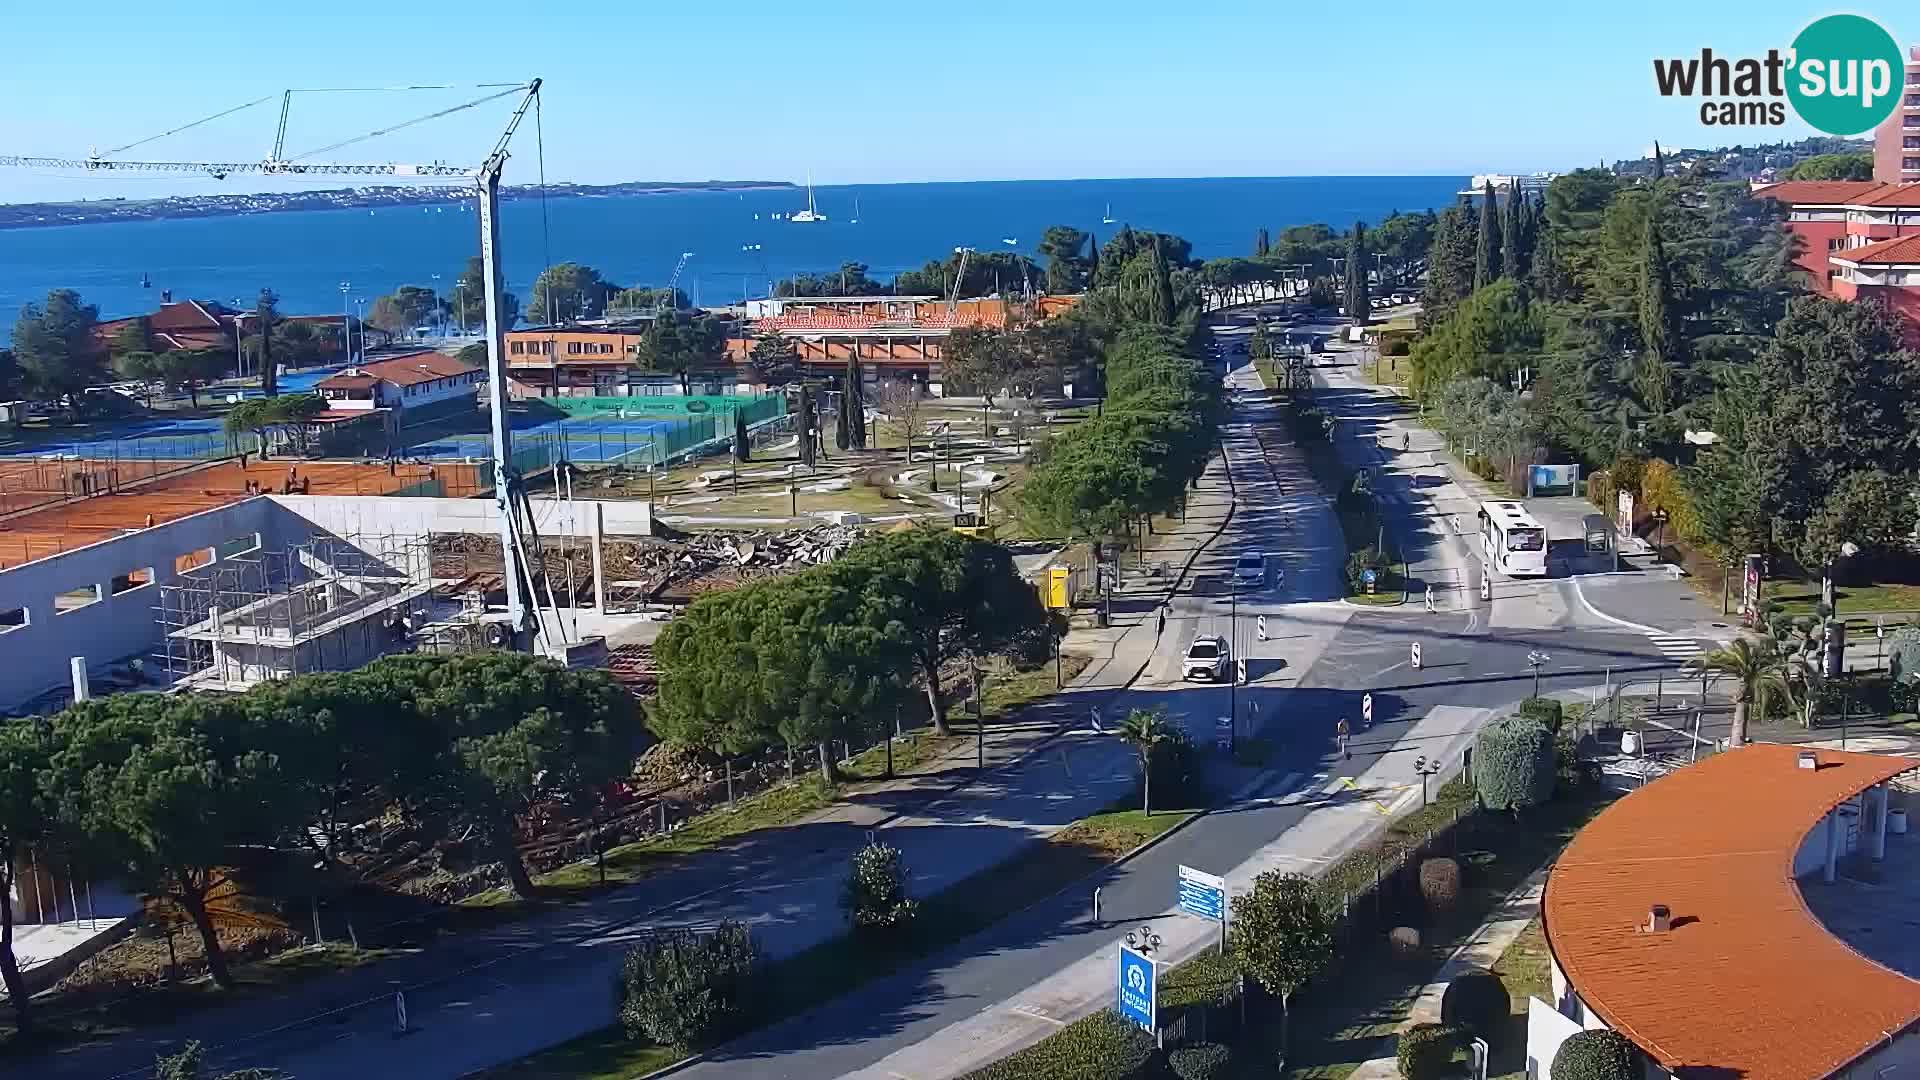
(98, 211)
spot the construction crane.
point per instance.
(509, 493)
(953, 287)
(670, 298)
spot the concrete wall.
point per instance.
(115, 626)
(372, 515)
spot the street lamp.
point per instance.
(1143, 941)
(1426, 767)
(1848, 549)
(1535, 660)
(346, 319)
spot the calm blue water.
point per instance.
(637, 239)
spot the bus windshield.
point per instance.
(1526, 539)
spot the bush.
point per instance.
(1359, 562)
(1099, 1047)
(1479, 1003)
(876, 892)
(1440, 884)
(1548, 711)
(1200, 1061)
(1596, 1055)
(1426, 1052)
(685, 989)
(1513, 763)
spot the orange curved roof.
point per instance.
(1748, 979)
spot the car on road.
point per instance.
(1206, 659)
(1250, 571)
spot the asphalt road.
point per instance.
(1465, 663)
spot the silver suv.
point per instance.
(1206, 660)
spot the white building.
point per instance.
(418, 380)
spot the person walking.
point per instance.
(1340, 733)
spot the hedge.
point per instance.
(1477, 1001)
(1426, 1052)
(1098, 1047)
(1596, 1055)
(1514, 765)
(1200, 1061)
(1547, 710)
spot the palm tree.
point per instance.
(1146, 730)
(1758, 670)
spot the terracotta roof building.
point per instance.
(429, 382)
(1677, 918)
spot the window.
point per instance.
(239, 545)
(1910, 142)
(1913, 101)
(1910, 121)
(131, 580)
(13, 619)
(514, 348)
(1836, 243)
(1910, 164)
(75, 599)
(196, 557)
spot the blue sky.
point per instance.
(870, 92)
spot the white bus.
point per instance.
(1513, 543)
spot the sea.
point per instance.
(734, 242)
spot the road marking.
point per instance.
(1036, 1013)
(1674, 647)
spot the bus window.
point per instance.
(1526, 539)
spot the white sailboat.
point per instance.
(855, 219)
(811, 213)
(1107, 217)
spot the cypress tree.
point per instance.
(1450, 262)
(1159, 297)
(1659, 162)
(1358, 306)
(1093, 260)
(1486, 257)
(1262, 244)
(1659, 334)
(857, 410)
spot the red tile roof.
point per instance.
(1818, 192)
(408, 370)
(346, 382)
(1900, 251)
(1730, 986)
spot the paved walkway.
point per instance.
(469, 998)
(1477, 953)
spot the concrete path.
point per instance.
(1477, 953)
(486, 998)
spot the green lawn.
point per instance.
(1524, 968)
(842, 964)
(1801, 598)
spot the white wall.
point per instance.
(349, 515)
(36, 655)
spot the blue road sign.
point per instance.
(1203, 894)
(1137, 990)
(1367, 576)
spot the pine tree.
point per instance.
(1262, 243)
(1486, 257)
(1358, 307)
(1659, 334)
(1513, 234)
(1450, 263)
(1659, 162)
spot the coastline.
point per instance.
(115, 211)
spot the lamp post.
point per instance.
(1426, 767)
(1535, 660)
(440, 306)
(346, 319)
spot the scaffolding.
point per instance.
(327, 603)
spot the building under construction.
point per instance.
(326, 603)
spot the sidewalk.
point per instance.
(462, 993)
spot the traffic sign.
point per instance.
(1366, 707)
(1136, 989)
(1366, 576)
(1416, 656)
(1203, 894)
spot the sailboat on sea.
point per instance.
(855, 219)
(811, 213)
(1107, 217)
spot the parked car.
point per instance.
(1206, 660)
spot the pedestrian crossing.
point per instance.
(1673, 647)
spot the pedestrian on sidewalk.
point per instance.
(1340, 733)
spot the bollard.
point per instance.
(1096, 905)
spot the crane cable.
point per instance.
(407, 123)
(546, 224)
(183, 127)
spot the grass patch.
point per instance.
(1264, 369)
(1802, 598)
(844, 963)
